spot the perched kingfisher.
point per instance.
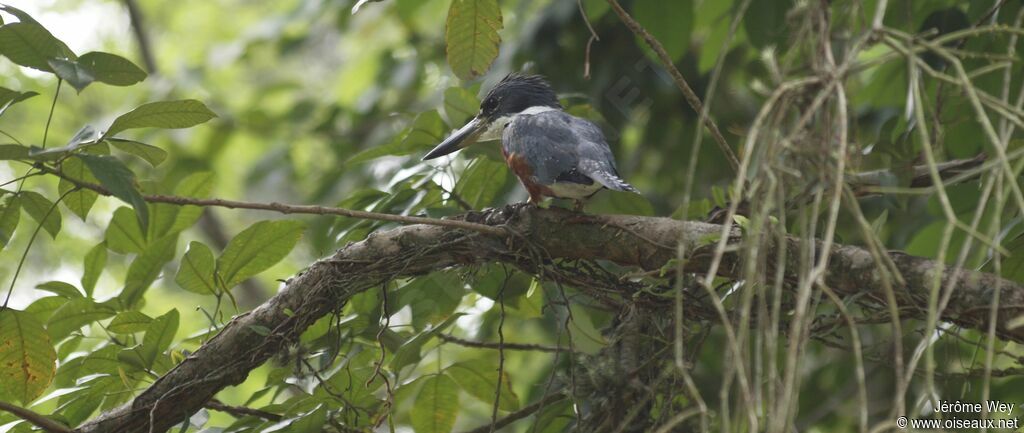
(553, 153)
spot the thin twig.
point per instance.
(34, 418)
(507, 346)
(287, 208)
(677, 77)
(520, 414)
(241, 411)
(590, 42)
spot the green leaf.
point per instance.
(146, 267)
(409, 353)
(669, 22)
(152, 154)
(80, 201)
(479, 378)
(71, 71)
(75, 314)
(10, 213)
(459, 105)
(765, 22)
(257, 248)
(184, 113)
(425, 132)
(129, 322)
(195, 273)
(60, 288)
(471, 36)
(29, 44)
(111, 69)
(166, 218)
(481, 183)
(27, 359)
(120, 181)
(436, 406)
(42, 210)
(13, 151)
(95, 261)
(159, 335)
(20, 14)
(196, 185)
(10, 97)
(123, 233)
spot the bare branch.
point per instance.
(507, 346)
(34, 418)
(287, 208)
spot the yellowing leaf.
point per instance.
(472, 36)
(27, 359)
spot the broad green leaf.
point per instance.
(42, 309)
(195, 273)
(20, 14)
(10, 213)
(426, 131)
(95, 261)
(196, 185)
(75, 314)
(151, 154)
(60, 288)
(459, 105)
(481, 183)
(29, 44)
(159, 335)
(471, 36)
(437, 405)
(10, 97)
(765, 22)
(669, 22)
(72, 72)
(80, 201)
(129, 322)
(120, 181)
(123, 233)
(309, 422)
(479, 378)
(146, 267)
(409, 353)
(257, 248)
(184, 113)
(27, 359)
(42, 210)
(111, 69)
(13, 151)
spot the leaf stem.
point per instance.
(53, 107)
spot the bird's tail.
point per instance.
(612, 181)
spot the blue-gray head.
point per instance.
(515, 94)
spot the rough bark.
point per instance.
(644, 242)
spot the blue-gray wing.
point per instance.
(560, 147)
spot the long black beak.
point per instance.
(459, 139)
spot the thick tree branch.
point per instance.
(540, 235)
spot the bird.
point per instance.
(553, 153)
